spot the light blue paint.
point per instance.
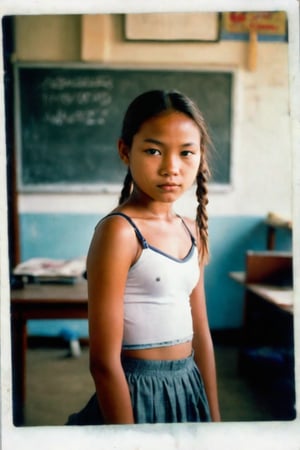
(56, 235)
(55, 327)
(226, 36)
(230, 237)
(69, 235)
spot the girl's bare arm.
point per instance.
(108, 262)
(203, 347)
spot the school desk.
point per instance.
(268, 299)
(266, 345)
(39, 301)
(281, 298)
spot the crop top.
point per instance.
(157, 310)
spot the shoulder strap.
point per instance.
(188, 230)
(139, 235)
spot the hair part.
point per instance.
(151, 104)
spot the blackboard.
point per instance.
(69, 120)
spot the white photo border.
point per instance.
(265, 435)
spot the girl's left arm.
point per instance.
(203, 346)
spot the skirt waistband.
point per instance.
(149, 365)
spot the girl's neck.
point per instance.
(149, 209)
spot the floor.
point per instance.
(58, 385)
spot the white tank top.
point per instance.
(157, 308)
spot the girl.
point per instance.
(151, 354)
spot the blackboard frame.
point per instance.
(108, 187)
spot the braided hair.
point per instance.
(151, 104)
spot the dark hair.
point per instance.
(151, 104)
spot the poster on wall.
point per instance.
(268, 23)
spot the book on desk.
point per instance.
(49, 270)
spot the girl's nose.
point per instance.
(169, 166)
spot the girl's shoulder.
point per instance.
(113, 238)
(115, 223)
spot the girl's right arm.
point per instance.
(110, 257)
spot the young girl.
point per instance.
(151, 354)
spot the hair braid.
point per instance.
(202, 197)
(125, 193)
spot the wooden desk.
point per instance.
(266, 345)
(280, 297)
(39, 301)
(268, 314)
(268, 317)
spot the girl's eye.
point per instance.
(186, 153)
(152, 151)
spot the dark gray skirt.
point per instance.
(161, 392)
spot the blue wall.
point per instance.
(69, 235)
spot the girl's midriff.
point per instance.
(172, 352)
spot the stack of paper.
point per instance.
(51, 270)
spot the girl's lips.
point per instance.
(168, 187)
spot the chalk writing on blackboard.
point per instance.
(88, 98)
(82, 82)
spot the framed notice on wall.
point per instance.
(172, 27)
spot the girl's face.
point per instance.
(164, 157)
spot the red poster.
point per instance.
(263, 22)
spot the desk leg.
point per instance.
(19, 345)
(270, 237)
(243, 340)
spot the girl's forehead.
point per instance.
(169, 119)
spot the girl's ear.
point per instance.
(123, 151)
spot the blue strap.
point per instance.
(188, 230)
(139, 235)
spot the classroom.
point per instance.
(242, 80)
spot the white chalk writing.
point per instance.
(89, 117)
(80, 82)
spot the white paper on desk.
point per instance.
(47, 267)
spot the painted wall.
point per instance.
(60, 225)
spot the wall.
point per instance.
(261, 154)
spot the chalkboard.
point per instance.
(69, 120)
